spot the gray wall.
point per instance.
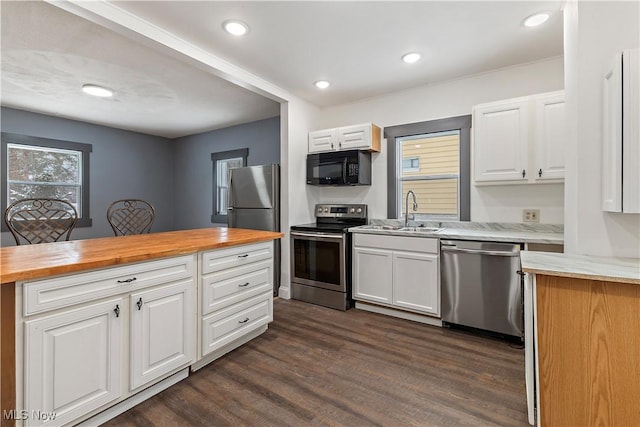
(123, 164)
(193, 166)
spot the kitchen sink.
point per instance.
(421, 229)
(381, 227)
(400, 228)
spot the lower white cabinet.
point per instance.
(77, 355)
(72, 361)
(236, 297)
(399, 272)
(161, 331)
(415, 282)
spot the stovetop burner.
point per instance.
(335, 218)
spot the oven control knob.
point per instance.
(326, 210)
(319, 210)
(359, 210)
(352, 210)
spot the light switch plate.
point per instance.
(531, 215)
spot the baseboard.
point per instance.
(227, 348)
(434, 321)
(284, 293)
(132, 401)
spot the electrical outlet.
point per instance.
(531, 215)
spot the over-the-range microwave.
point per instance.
(351, 167)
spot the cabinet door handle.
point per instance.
(524, 173)
(139, 304)
(128, 280)
(332, 145)
(117, 310)
(540, 172)
(243, 256)
(244, 285)
(244, 321)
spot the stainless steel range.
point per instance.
(321, 256)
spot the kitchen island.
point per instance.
(48, 283)
(586, 318)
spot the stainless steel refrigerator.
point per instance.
(254, 203)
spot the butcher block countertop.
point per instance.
(48, 259)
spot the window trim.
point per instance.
(461, 123)
(35, 141)
(223, 155)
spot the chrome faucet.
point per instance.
(406, 207)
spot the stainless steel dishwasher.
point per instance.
(481, 287)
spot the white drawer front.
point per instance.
(230, 324)
(236, 256)
(63, 291)
(415, 244)
(234, 285)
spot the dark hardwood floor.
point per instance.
(318, 366)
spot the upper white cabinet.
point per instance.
(549, 136)
(365, 136)
(621, 134)
(520, 140)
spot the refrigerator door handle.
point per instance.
(230, 208)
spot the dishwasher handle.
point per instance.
(447, 248)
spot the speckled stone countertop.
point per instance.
(493, 232)
(624, 270)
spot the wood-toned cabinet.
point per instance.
(398, 272)
(365, 136)
(520, 140)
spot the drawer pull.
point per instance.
(243, 256)
(128, 280)
(244, 285)
(117, 310)
(244, 321)
(139, 304)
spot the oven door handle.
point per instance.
(327, 236)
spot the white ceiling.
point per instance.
(47, 54)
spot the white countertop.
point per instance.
(625, 270)
(490, 235)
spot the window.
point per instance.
(410, 164)
(222, 163)
(40, 167)
(431, 159)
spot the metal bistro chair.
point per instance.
(131, 216)
(40, 220)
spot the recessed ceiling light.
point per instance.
(536, 19)
(410, 58)
(322, 84)
(96, 90)
(237, 28)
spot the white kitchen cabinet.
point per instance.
(322, 140)
(236, 299)
(520, 140)
(398, 272)
(501, 132)
(162, 326)
(72, 361)
(78, 329)
(365, 136)
(621, 134)
(373, 274)
(411, 271)
(549, 136)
